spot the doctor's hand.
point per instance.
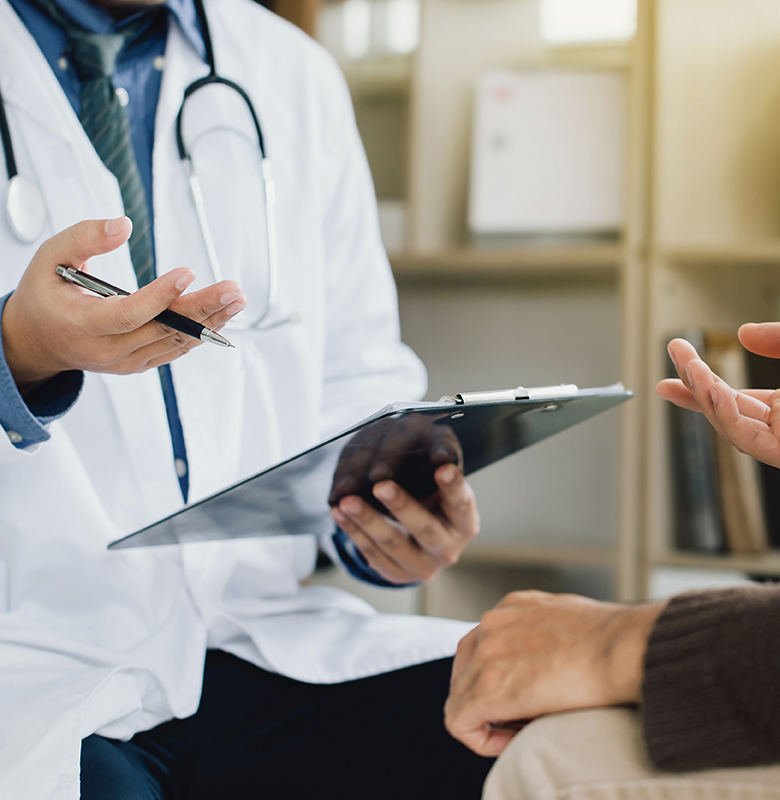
(748, 419)
(537, 653)
(50, 326)
(400, 495)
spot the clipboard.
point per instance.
(403, 441)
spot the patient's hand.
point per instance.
(537, 653)
(749, 419)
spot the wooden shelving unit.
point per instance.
(739, 255)
(596, 261)
(765, 564)
(567, 554)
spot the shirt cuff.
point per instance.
(356, 564)
(25, 421)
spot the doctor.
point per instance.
(203, 670)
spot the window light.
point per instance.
(403, 25)
(581, 21)
(356, 21)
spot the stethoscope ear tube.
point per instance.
(24, 206)
(260, 322)
(8, 149)
(25, 209)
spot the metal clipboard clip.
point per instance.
(510, 395)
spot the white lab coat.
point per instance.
(92, 641)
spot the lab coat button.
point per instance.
(159, 63)
(123, 96)
(15, 437)
(62, 63)
(181, 466)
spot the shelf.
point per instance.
(737, 254)
(589, 55)
(759, 564)
(538, 555)
(591, 262)
(379, 75)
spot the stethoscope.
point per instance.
(24, 204)
(26, 210)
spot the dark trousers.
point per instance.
(260, 735)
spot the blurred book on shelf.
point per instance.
(696, 508)
(724, 501)
(738, 474)
(764, 373)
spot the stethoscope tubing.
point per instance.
(5, 135)
(196, 193)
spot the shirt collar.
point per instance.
(96, 19)
(185, 14)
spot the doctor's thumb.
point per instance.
(74, 246)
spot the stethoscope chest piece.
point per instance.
(25, 208)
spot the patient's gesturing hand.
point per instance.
(537, 653)
(749, 419)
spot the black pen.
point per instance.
(170, 318)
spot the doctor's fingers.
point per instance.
(384, 543)
(125, 354)
(458, 502)
(162, 351)
(434, 533)
(152, 343)
(74, 246)
(441, 525)
(213, 305)
(126, 313)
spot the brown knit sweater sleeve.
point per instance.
(711, 689)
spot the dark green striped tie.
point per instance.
(93, 56)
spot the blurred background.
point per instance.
(563, 186)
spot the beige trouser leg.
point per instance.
(599, 755)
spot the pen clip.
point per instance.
(80, 278)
